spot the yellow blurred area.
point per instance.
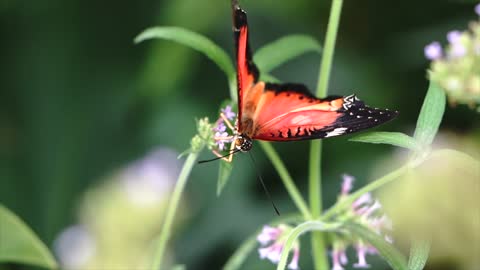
(439, 200)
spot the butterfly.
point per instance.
(288, 111)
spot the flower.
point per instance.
(219, 139)
(433, 51)
(361, 252)
(454, 36)
(268, 234)
(453, 66)
(339, 258)
(228, 112)
(347, 184)
(367, 212)
(74, 247)
(220, 127)
(457, 50)
(276, 237)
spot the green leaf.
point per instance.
(19, 244)
(418, 254)
(393, 138)
(197, 42)
(224, 172)
(431, 115)
(284, 49)
(394, 258)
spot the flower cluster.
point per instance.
(457, 67)
(222, 128)
(272, 240)
(366, 211)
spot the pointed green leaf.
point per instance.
(284, 49)
(431, 115)
(224, 172)
(393, 138)
(394, 258)
(418, 254)
(197, 42)
(19, 244)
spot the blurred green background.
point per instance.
(79, 101)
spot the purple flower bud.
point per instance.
(228, 112)
(362, 262)
(268, 234)
(477, 9)
(219, 141)
(220, 127)
(293, 265)
(347, 184)
(364, 199)
(457, 50)
(376, 206)
(454, 36)
(339, 258)
(433, 51)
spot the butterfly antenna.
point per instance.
(263, 184)
(213, 159)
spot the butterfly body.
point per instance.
(289, 112)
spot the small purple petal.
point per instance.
(433, 51)
(337, 260)
(376, 206)
(477, 9)
(457, 50)
(371, 250)
(362, 262)
(268, 234)
(454, 36)
(263, 252)
(347, 184)
(364, 199)
(220, 127)
(293, 265)
(228, 112)
(343, 257)
(275, 253)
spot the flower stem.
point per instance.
(315, 192)
(172, 209)
(287, 179)
(347, 201)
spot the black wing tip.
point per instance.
(239, 16)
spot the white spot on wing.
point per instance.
(336, 132)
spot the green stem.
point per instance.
(329, 47)
(315, 193)
(287, 179)
(347, 201)
(299, 230)
(172, 209)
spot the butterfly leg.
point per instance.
(228, 158)
(225, 119)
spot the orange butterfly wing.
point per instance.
(288, 112)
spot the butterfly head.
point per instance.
(243, 143)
